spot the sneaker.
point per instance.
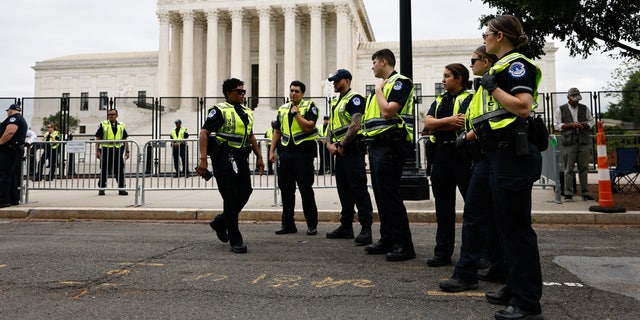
(123, 193)
(101, 192)
(341, 233)
(587, 197)
(568, 198)
(364, 238)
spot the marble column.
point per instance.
(343, 29)
(211, 80)
(316, 51)
(187, 54)
(236, 42)
(175, 56)
(264, 50)
(290, 46)
(163, 55)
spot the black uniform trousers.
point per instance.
(351, 182)
(297, 168)
(180, 153)
(386, 160)
(448, 171)
(235, 189)
(478, 226)
(10, 168)
(111, 161)
(512, 179)
(50, 154)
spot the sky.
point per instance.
(37, 30)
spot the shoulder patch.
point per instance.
(12, 119)
(356, 101)
(397, 86)
(517, 70)
(314, 110)
(211, 113)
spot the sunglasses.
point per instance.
(485, 35)
(112, 114)
(473, 60)
(239, 91)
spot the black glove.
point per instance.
(462, 141)
(488, 82)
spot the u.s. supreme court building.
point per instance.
(266, 43)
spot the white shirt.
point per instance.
(31, 137)
(557, 117)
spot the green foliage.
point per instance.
(627, 80)
(586, 26)
(57, 119)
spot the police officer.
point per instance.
(325, 156)
(344, 140)
(269, 135)
(500, 112)
(445, 120)
(13, 131)
(387, 137)
(178, 135)
(232, 122)
(296, 133)
(111, 153)
(50, 152)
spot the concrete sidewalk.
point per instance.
(204, 204)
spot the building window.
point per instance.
(370, 89)
(142, 98)
(439, 88)
(84, 101)
(82, 129)
(418, 93)
(64, 102)
(104, 101)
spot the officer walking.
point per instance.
(296, 133)
(178, 135)
(50, 152)
(13, 131)
(232, 122)
(344, 140)
(387, 137)
(111, 153)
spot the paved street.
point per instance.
(178, 270)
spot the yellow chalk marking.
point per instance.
(3, 265)
(120, 271)
(142, 264)
(459, 294)
(71, 282)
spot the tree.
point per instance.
(628, 108)
(57, 119)
(586, 26)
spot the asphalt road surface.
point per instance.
(168, 270)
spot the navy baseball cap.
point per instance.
(15, 107)
(340, 74)
(178, 121)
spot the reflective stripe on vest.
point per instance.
(373, 123)
(234, 132)
(108, 134)
(484, 107)
(294, 131)
(180, 135)
(55, 136)
(340, 118)
(456, 108)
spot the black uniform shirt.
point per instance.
(446, 110)
(21, 132)
(520, 76)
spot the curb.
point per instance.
(176, 214)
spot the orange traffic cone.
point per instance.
(605, 200)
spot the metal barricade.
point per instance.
(74, 165)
